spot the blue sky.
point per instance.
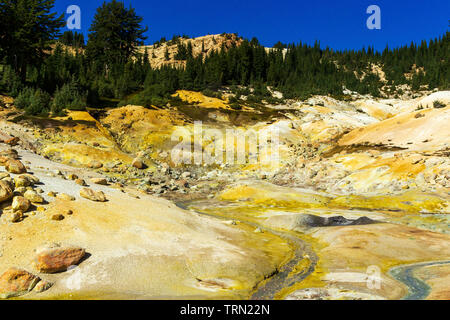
(337, 24)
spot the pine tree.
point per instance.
(166, 54)
(73, 39)
(28, 29)
(115, 34)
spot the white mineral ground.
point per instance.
(138, 248)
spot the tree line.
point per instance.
(39, 69)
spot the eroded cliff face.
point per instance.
(384, 162)
(200, 45)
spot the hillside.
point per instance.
(422, 130)
(200, 46)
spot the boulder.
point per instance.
(13, 216)
(80, 182)
(4, 175)
(72, 177)
(9, 153)
(42, 286)
(58, 259)
(93, 195)
(21, 181)
(20, 191)
(65, 197)
(101, 181)
(20, 204)
(3, 160)
(57, 217)
(52, 194)
(33, 179)
(138, 164)
(6, 191)
(12, 141)
(182, 183)
(33, 196)
(16, 282)
(9, 181)
(185, 175)
(94, 164)
(15, 166)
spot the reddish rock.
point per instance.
(12, 141)
(16, 282)
(3, 160)
(58, 259)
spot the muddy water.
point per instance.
(286, 276)
(417, 288)
(283, 279)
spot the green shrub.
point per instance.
(236, 106)
(261, 90)
(154, 94)
(23, 99)
(212, 94)
(254, 98)
(10, 82)
(273, 100)
(33, 101)
(233, 100)
(242, 92)
(105, 90)
(68, 97)
(40, 102)
(438, 104)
